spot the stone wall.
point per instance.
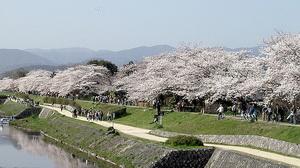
(197, 158)
(45, 113)
(28, 112)
(139, 153)
(231, 159)
(2, 101)
(245, 140)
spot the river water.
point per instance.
(22, 150)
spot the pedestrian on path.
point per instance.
(234, 109)
(220, 111)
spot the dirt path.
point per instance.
(144, 133)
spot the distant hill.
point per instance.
(134, 54)
(64, 55)
(76, 55)
(13, 58)
(15, 72)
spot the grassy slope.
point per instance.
(71, 131)
(11, 108)
(34, 97)
(192, 123)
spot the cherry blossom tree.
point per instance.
(191, 73)
(214, 74)
(210, 73)
(283, 62)
(79, 79)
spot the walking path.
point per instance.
(144, 133)
(133, 131)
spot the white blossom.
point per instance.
(207, 73)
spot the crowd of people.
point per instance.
(113, 100)
(99, 116)
(245, 110)
(91, 114)
(251, 111)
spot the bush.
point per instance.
(3, 97)
(119, 113)
(182, 140)
(22, 96)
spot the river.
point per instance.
(22, 150)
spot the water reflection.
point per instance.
(18, 149)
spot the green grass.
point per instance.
(84, 104)
(139, 117)
(193, 123)
(11, 108)
(74, 132)
(183, 140)
(33, 97)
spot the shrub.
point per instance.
(119, 113)
(22, 96)
(3, 97)
(182, 140)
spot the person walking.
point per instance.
(269, 113)
(108, 115)
(264, 113)
(234, 109)
(88, 116)
(293, 114)
(154, 103)
(101, 116)
(158, 106)
(253, 112)
(220, 112)
(276, 113)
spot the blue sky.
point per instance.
(121, 24)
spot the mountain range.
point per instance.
(77, 55)
(14, 58)
(50, 59)
(11, 59)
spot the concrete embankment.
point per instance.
(123, 150)
(131, 152)
(260, 155)
(231, 159)
(236, 157)
(261, 142)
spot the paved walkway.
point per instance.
(144, 133)
(129, 130)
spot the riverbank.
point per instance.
(123, 150)
(193, 123)
(10, 108)
(21, 148)
(249, 155)
(137, 115)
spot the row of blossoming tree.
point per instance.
(210, 74)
